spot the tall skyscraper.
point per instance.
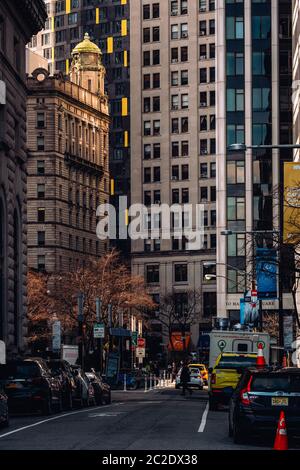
(254, 107)
(173, 142)
(68, 167)
(107, 22)
(19, 20)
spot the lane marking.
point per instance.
(204, 419)
(55, 418)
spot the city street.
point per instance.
(156, 420)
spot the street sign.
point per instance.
(141, 343)
(99, 330)
(222, 344)
(254, 296)
(134, 337)
(140, 352)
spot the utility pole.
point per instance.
(80, 303)
(110, 326)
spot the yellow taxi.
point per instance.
(225, 374)
(203, 370)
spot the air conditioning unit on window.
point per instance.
(203, 104)
(174, 12)
(184, 34)
(174, 106)
(203, 57)
(174, 61)
(174, 178)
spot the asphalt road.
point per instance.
(156, 420)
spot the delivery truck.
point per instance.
(241, 342)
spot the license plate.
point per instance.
(280, 401)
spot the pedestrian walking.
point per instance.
(174, 371)
(185, 378)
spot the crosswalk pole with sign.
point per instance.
(99, 340)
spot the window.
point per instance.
(175, 172)
(152, 273)
(155, 10)
(41, 143)
(203, 123)
(146, 58)
(175, 149)
(184, 101)
(174, 78)
(185, 196)
(261, 99)
(212, 74)
(212, 28)
(156, 104)
(175, 126)
(235, 63)
(184, 54)
(156, 150)
(40, 120)
(146, 35)
(235, 208)
(147, 198)
(41, 238)
(184, 7)
(41, 191)
(235, 99)
(184, 172)
(184, 148)
(174, 31)
(41, 215)
(184, 30)
(174, 55)
(209, 272)
(236, 244)
(235, 134)
(261, 27)
(235, 172)
(146, 12)
(156, 127)
(156, 80)
(213, 170)
(175, 196)
(147, 128)
(174, 102)
(41, 263)
(203, 194)
(202, 28)
(156, 57)
(184, 77)
(156, 174)
(203, 75)
(203, 170)
(147, 105)
(261, 62)
(213, 194)
(147, 81)
(184, 124)
(155, 34)
(234, 27)
(40, 164)
(180, 273)
(147, 175)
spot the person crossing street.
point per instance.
(185, 379)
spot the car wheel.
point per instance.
(47, 406)
(238, 433)
(213, 404)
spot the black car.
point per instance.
(101, 389)
(30, 386)
(4, 416)
(259, 398)
(62, 370)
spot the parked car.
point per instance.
(224, 376)
(203, 370)
(30, 386)
(85, 395)
(258, 399)
(101, 389)
(4, 416)
(62, 370)
(196, 380)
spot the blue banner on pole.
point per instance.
(266, 273)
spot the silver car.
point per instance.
(196, 380)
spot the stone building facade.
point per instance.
(19, 20)
(68, 167)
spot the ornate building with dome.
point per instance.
(68, 168)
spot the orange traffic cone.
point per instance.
(260, 360)
(281, 439)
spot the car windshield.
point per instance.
(236, 362)
(279, 383)
(25, 370)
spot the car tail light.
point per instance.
(213, 378)
(244, 397)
